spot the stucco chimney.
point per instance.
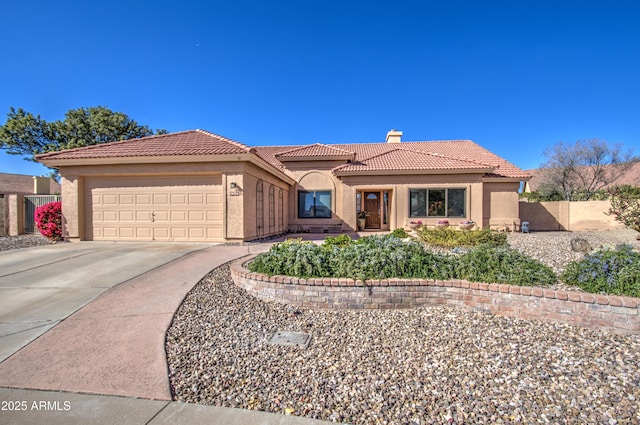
(394, 136)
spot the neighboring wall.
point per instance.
(565, 215)
(3, 214)
(24, 184)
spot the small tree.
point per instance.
(625, 206)
(580, 170)
(48, 219)
(28, 135)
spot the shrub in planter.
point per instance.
(449, 238)
(614, 272)
(294, 257)
(339, 241)
(400, 233)
(490, 264)
(48, 219)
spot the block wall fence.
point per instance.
(615, 314)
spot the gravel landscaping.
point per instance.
(22, 241)
(419, 366)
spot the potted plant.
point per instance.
(442, 223)
(362, 219)
(466, 225)
(414, 224)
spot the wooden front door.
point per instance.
(372, 206)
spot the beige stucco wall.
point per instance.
(238, 203)
(487, 203)
(500, 206)
(565, 215)
(345, 187)
(251, 176)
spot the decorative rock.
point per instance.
(419, 366)
(580, 245)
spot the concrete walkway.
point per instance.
(113, 348)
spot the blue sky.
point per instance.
(513, 76)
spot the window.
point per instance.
(280, 211)
(259, 209)
(272, 207)
(316, 204)
(437, 202)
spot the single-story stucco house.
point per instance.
(198, 186)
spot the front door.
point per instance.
(372, 206)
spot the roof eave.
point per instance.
(160, 159)
(314, 158)
(405, 172)
(503, 179)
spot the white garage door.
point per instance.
(172, 208)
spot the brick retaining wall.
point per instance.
(605, 312)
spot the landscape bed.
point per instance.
(421, 365)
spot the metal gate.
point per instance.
(31, 202)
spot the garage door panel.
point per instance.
(161, 199)
(214, 216)
(143, 199)
(143, 216)
(142, 233)
(154, 208)
(111, 199)
(126, 216)
(109, 216)
(126, 199)
(214, 198)
(178, 199)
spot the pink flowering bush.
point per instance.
(49, 220)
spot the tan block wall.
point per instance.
(4, 212)
(565, 215)
(24, 184)
(16, 214)
(590, 215)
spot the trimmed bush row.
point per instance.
(615, 272)
(383, 257)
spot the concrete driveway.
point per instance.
(43, 285)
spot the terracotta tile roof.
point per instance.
(458, 149)
(400, 159)
(316, 150)
(192, 142)
(435, 154)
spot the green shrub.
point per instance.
(382, 257)
(399, 233)
(503, 264)
(608, 272)
(339, 241)
(371, 257)
(293, 257)
(449, 238)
